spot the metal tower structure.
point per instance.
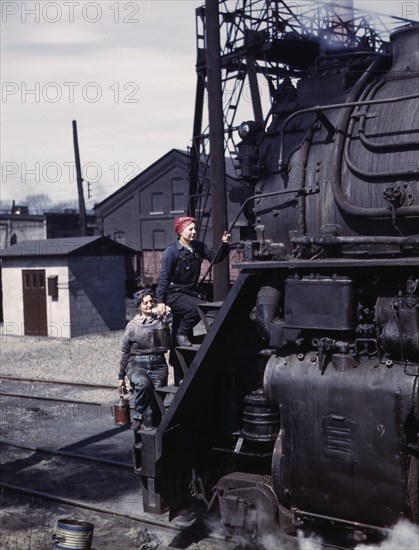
(262, 44)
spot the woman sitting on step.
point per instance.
(146, 340)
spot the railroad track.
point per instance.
(59, 452)
(88, 473)
(155, 533)
(65, 464)
(58, 382)
(86, 470)
(46, 387)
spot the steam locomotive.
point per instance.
(299, 410)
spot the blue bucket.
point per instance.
(72, 534)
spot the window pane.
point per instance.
(178, 195)
(177, 185)
(41, 280)
(157, 203)
(179, 203)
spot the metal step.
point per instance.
(208, 312)
(185, 355)
(164, 396)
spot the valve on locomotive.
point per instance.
(398, 321)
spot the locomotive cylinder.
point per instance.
(350, 430)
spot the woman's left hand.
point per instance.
(226, 237)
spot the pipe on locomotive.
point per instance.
(300, 191)
(333, 240)
(336, 161)
(318, 109)
(267, 304)
(375, 146)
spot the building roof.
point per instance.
(142, 176)
(71, 246)
(231, 173)
(31, 217)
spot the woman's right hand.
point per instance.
(161, 309)
(121, 385)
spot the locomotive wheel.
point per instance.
(413, 488)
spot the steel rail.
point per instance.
(91, 458)
(40, 398)
(113, 512)
(58, 382)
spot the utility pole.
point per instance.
(82, 208)
(216, 139)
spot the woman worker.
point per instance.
(179, 274)
(146, 339)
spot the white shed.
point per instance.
(63, 288)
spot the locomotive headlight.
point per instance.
(248, 130)
(244, 130)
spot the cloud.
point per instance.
(122, 69)
(130, 86)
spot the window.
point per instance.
(34, 279)
(159, 239)
(178, 195)
(156, 203)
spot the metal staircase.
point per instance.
(166, 394)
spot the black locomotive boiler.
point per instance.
(299, 410)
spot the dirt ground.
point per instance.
(28, 522)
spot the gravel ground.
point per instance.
(92, 358)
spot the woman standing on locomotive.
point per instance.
(146, 339)
(179, 275)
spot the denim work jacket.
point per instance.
(181, 267)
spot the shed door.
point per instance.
(34, 302)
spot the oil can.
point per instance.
(121, 412)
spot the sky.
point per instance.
(124, 70)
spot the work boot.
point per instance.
(183, 340)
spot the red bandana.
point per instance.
(182, 222)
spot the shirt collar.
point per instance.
(144, 319)
(180, 246)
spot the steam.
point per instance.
(309, 543)
(404, 536)
(270, 542)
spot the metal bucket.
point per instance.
(161, 339)
(121, 413)
(73, 534)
